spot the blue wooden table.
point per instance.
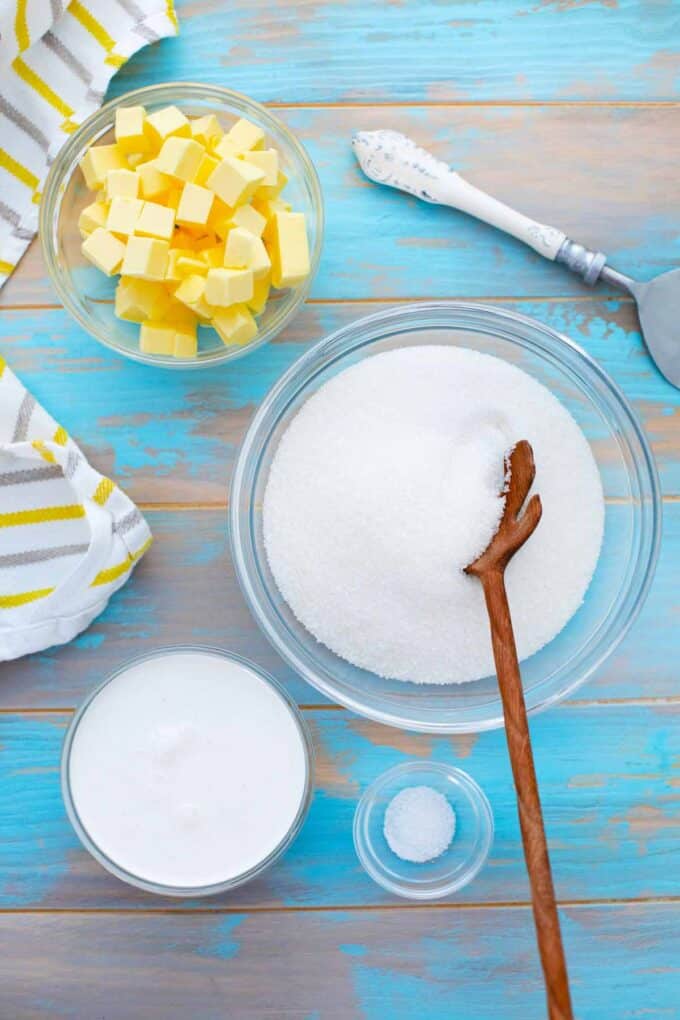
(569, 111)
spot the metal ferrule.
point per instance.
(582, 261)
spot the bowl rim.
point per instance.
(357, 334)
(65, 165)
(216, 887)
(475, 796)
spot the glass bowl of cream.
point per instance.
(87, 294)
(187, 772)
(630, 540)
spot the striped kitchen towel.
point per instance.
(56, 60)
(69, 537)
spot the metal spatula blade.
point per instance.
(391, 158)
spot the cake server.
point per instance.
(391, 158)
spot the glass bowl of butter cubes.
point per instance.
(182, 225)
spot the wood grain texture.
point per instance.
(609, 778)
(608, 177)
(185, 590)
(435, 964)
(314, 51)
(171, 437)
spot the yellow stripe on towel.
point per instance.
(97, 31)
(68, 512)
(103, 491)
(23, 174)
(21, 26)
(13, 601)
(112, 573)
(60, 437)
(46, 454)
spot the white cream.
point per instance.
(187, 769)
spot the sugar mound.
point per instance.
(419, 824)
(386, 485)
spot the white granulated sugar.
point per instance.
(419, 824)
(385, 487)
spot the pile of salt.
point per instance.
(419, 824)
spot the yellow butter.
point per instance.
(152, 183)
(172, 273)
(130, 129)
(213, 256)
(234, 325)
(186, 345)
(226, 287)
(97, 162)
(180, 157)
(104, 250)
(193, 264)
(206, 130)
(288, 248)
(245, 135)
(245, 250)
(235, 180)
(156, 220)
(192, 293)
(225, 147)
(205, 168)
(91, 217)
(123, 183)
(250, 219)
(272, 191)
(167, 123)
(139, 300)
(157, 338)
(135, 158)
(268, 161)
(261, 289)
(146, 258)
(124, 215)
(194, 206)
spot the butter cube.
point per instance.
(205, 168)
(193, 264)
(135, 158)
(180, 157)
(97, 162)
(194, 206)
(172, 198)
(91, 217)
(220, 218)
(226, 287)
(185, 239)
(268, 207)
(186, 344)
(245, 250)
(204, 241)
(146, 258)
(250, 219)
(183, 319)
(124, 215)
(152, 183)
(267, 160)
(192, 293)
(261, 289)
(234, 325)
(124, 183)
(172, 273)
(130, 129)
(156, 220)
(157, 338)
(286, 240)
(225, 147)
(273, 190)
(235, 180)
(245, 135)
(167, 123)
(104, 250)
(206, 130)
(213, 256)
(139, 300)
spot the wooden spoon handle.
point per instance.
(546, 919)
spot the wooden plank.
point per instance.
(384, 52)
(185, 591)
(430, 963)
(171, 437)
(608, 774)
(569, 166)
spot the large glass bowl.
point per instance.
(632, 520)
(88, 294)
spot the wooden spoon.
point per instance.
(512, 533)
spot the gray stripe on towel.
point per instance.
(24, 123)
(38, 474)
(23, 418)
(22, 559)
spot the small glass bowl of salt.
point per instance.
(423, 830)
